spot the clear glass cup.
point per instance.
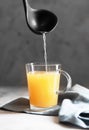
(44, 84)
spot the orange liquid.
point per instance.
(42, 87)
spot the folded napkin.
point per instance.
(75, 106)
(22, 105)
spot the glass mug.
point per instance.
(44, 84)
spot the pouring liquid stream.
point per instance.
(45, 50)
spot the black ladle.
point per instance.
(39, 20)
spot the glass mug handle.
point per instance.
(69, 81)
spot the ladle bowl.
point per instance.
(39, 20)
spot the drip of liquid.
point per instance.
(45, 50)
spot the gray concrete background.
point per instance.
(68, 44)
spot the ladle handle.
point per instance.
(26, 5)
